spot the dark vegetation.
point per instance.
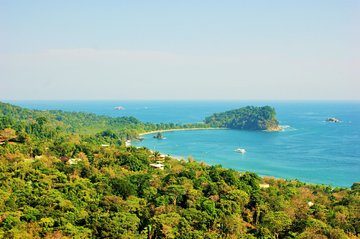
(248, 118)
(159, 135)
(70, 178)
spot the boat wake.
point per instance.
(287, 128)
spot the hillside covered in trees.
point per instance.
(80, 122)
(64, 178)
(247, 118)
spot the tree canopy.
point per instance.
(248, 118)
(60, 183)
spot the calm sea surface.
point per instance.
(309, 149)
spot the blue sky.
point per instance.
(276, 50)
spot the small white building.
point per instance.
(74, 161)
(264, 185)
(158, 165)
(128, 143)
(310, 204)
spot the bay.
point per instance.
(309, 149)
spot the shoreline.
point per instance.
(179, 129)
(274, 129)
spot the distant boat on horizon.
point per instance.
(333, 119)
(119, 108)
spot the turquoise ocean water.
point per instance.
(309, 149)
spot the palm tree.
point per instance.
(156, 155)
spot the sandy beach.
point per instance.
(180, 129)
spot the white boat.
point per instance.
(239, 150)
(119, 108)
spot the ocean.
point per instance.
(308, 149)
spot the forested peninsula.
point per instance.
(69, 175)
(246, 118)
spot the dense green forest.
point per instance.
(249, 118)
(80, 122)
(68, 175)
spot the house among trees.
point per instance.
(74, 160)
(128, 143)
(157, 165)
(264, 185)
